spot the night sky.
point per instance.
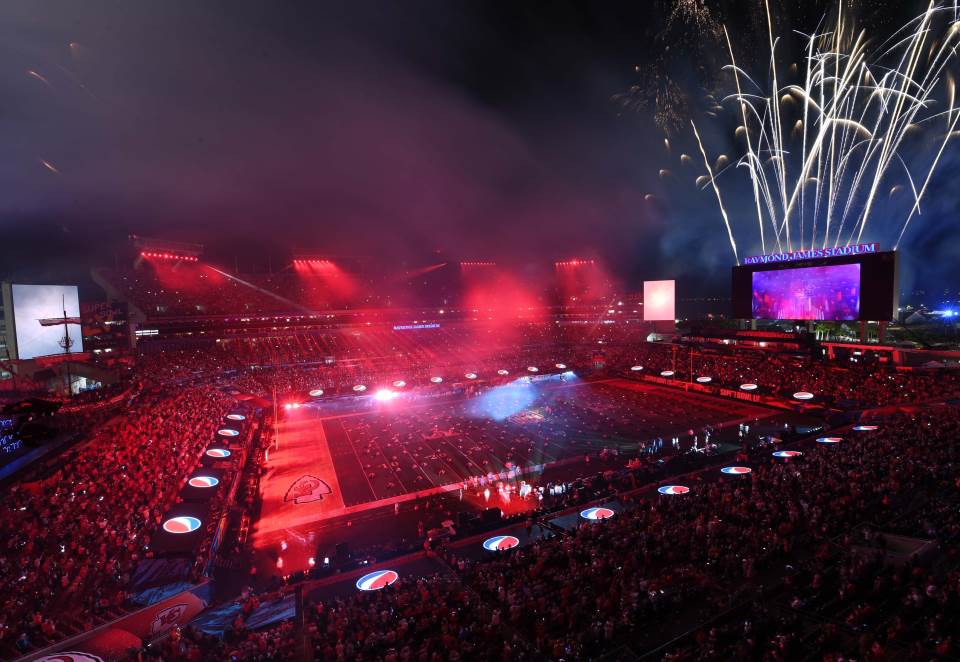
(389, 130)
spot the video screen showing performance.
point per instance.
(480, 332)
(795, 287)
(812, 293)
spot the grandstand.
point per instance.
(454, 332)
(253, 468)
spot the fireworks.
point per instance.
(861, 120)
(695, 13)
(38, 76)
(49, 166)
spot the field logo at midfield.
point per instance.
(70, 656)
(307, 489)
(167, 618)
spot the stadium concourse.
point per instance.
(534, 491)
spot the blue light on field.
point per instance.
(504, 401)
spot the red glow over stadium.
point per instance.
(325, 282)
(454, 331)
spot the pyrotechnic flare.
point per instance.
(818, 151)
(37, 76)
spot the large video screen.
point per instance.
(854, 287)
(31, 303)
(811, 293)
(659, 300)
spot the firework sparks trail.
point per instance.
(855, 121)
(923, 189)
(743, 113)
(38, 76)
(713, 181)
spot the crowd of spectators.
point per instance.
(780, 555)
(613, 583)
(432, 618)
(70, 539)
(859, 596)
(848, 385)
(275, 642)
(294, 363)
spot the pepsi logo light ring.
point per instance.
(637, 368)
(736, 471)
(181, 525)
(69, 656)
(803, 395)
(595, 514)
(500, 543)
(533, 368)
(667, 373)
(316, 393)
(829, 440)
(748, 387)
(359, 388)
(502, 372)
(228, 432)
(866, 428)
(374, 581)
(203, 481)
(218, 452)
(471, 375)
(704, 380)
(561, 366)
(236, 417)
(787, 454)
(399, 383)
(673, 489)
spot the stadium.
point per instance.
(322, 437)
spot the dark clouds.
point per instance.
(383, 129)
(366, 131)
